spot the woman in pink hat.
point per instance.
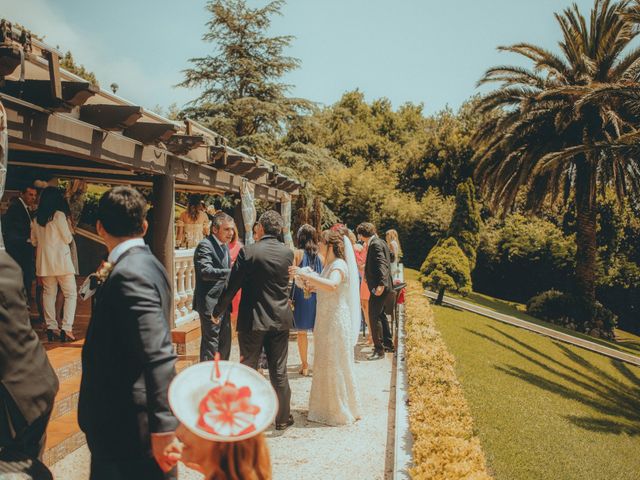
(223, 408)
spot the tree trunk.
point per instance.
(586, 235)
(440, 296)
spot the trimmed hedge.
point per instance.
(445, 446)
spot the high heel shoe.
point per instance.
(51, 335)
(66, 336)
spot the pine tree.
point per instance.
(243, 96)
(465, 224)
(446, 268)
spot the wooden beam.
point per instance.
(257, 172)
(38, 92)
(33, 128)
(182, 144)
(9, 59)
(151, 133)
(110, 117)
(54, 74)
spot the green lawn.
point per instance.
(626, 342)
(544, 409)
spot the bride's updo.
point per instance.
(335, 241)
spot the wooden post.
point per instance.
(163, 238)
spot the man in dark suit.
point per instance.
(380, 280)
(127, 359)
(265, 317)
(28, 384)
(16, 230)
(212, 262)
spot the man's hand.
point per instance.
(215, 320)
(166, 449)
(379, 291)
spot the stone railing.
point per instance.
(184, 285)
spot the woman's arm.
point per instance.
(336, 277)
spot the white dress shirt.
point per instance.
(122, 247)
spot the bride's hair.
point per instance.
(335, 241)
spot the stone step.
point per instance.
(67, 397)
(65, 358)
(63, 437)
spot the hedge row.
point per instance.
(445, 447)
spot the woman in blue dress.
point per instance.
(304, 303)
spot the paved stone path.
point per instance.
(309, 450)
(563, 337)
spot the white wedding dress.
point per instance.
(334, 398)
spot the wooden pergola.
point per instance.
(60, 124)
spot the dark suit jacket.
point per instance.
(128, 360)
(262, 271)
(25, 372)
(212, 272)
(16, 230)
(377, 269)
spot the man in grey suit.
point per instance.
(213, 264)
(265, 317)
(28, 384)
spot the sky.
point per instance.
(421, 51)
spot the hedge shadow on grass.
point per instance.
(598, 389)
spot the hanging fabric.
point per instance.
(4, 157)
(286, 217)
(248, 210)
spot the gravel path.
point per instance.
(309, 450)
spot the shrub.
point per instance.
(446, 268)
(565, 310)
(445, 444)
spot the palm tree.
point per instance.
(547, 127)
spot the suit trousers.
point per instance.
(70, 291)
(215, 337)
(380, 330)
(276, 346)
(130, 469)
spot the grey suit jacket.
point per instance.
(26, 376)
(212, 271)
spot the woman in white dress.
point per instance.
(396, 251)
(334, 398)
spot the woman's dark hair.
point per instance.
(335, 241)
(51, 201)
(122, 211)
(306, 238)
(193, 206)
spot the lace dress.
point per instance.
(334, 398)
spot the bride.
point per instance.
(334, 394)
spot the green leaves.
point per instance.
(446, 267)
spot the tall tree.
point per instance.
(243, 96)
(465, 223)
(548, 118)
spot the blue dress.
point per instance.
(304, 312)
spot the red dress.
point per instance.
(361, 260)
(234, 250)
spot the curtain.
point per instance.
(248, 210)
(286, 216)
(4, 158)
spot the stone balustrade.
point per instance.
(184, 285)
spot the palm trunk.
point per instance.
(586, 236)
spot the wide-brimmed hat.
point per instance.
(223, 401)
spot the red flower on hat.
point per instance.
(227, 411)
